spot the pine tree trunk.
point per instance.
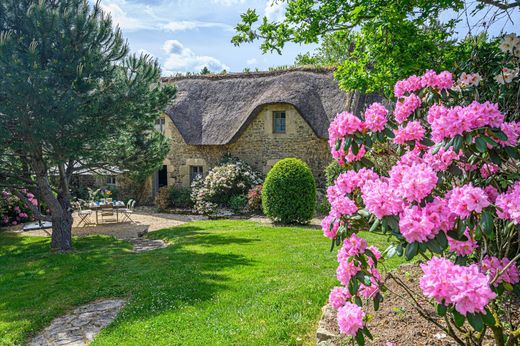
(61, 239)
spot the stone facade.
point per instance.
(257, 145)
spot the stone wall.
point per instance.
(257, 145)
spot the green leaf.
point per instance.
(437, 147)
(353, 286)
(500, 134)
(377, 300)
(389, 133)
(489, 319)
(442, 239)
(338, 144)
(355, 148)
(346, 144)
(457, 143)
(486, 224)
(360, 338)
(441, 309)
(480, 144)
(411, 250)
(367, 333)
(374, 225)
(358, 301)
(458, 318)
(490, 141)
(475, 320)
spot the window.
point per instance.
(278, 122)
(160, 124)
(111, 180)
(195, 172)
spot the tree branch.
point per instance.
(503, 5)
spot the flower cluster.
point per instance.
(350, 319)
(466, 199)
(405, 107)
(464, 287)
(338, 297)
(13, 210)
(375, 117)
(467, 80)
(380, 198)
(511, 44)
(463, 248)
(493, 266)
(448, 122)
(508, 204)
(413, 131)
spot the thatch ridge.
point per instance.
(215, 109)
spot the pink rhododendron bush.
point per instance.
(451, 201)
(13, 210)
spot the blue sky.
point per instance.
(186, 35)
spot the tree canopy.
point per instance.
(373, 43)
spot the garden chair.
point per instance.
(84, 215)
(129, 210)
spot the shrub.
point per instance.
(222, 182)
(451, 199)
(254, 198)
(13, 210)
(162, 199)
(322, 203)
(289, 192)
(180, 197)
(237, 203)
(331, 172)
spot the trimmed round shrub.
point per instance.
(289, 192)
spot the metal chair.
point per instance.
(129, 210)
(84, 215)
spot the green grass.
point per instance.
(218, 283)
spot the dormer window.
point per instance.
(279, 122)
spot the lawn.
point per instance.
(218, 283)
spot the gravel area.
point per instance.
(142, 222)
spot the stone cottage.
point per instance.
(259, 117)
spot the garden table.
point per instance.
(114, 207)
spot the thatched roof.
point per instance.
(215, 109)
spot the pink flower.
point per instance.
(351, 157)
(329, 226)
(466, 199)
(375, 117)
(492, 265)
(443, 80)
(464, 287)
(440, 214)
(442, 159)
(381, 199)
(352, 246)
(417, 182)
(405, 107)
(415, 225)
(351, 180)
(343, 206)
(463, 248)
(491, 192)
(413, 131)
(488, 169)
(345, 271)
(508, 204)
(411, 84)
(512, 131)
(350, 319)
(344, 124)
(338, 297)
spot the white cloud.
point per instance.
(251, 61)
(182, 59)
(228, 2)
(275, 10)
(121, 17)
(190, 25)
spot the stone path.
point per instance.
(81, 326)
(143, 244)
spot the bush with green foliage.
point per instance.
(233, 177)
(289, 192)
(180, 197)
(238, 203)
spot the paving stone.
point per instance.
(81, 326)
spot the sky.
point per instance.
(186, 35)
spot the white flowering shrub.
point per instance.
(232, 178)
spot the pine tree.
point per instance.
(71, 97)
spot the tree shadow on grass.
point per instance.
(37, 286)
